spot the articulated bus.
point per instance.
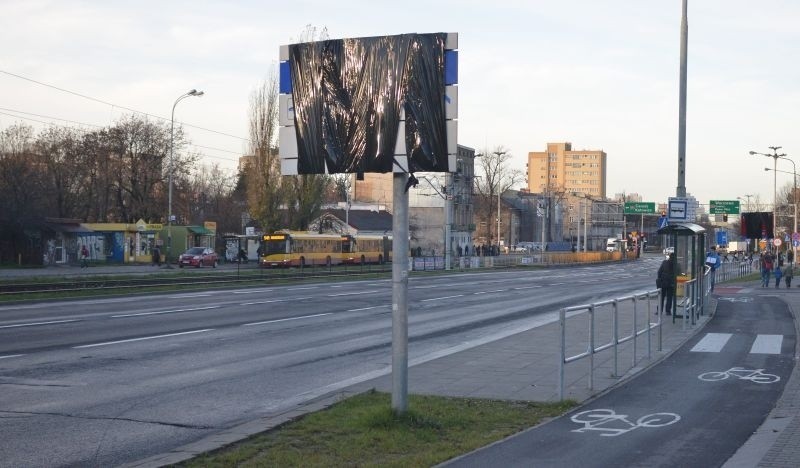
(300, 249)
(361, 249)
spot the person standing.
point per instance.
(665, 280)
(766, 264)
(788, 273)
(84, 257)
(713, 262)
(156, 256)
(778, 275)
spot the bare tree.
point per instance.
(21, 182)
(495, 177)
(265, 192)
(307, 192)
(139, 164)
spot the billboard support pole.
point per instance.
(400, 294)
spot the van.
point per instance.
(611, 244)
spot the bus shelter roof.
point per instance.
(682, 229)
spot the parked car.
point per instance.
(198, 257)
(669, 250)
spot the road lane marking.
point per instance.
(284, 319)
(94, 345)
(11, 356)
(306, 287)
(186, 296)
(528, 287)
(270, 301)
(367, 308)
(712, 343)
(34, 324)
(351, 293)
(159, 312)
(767, 344)
(441, 298)
(489, 292)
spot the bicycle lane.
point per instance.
(667, 415)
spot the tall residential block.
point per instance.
(561, 169)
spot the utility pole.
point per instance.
(681, 189)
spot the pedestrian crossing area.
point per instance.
(715, 342)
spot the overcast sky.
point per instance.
(599, 74)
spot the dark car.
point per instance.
(198, 257)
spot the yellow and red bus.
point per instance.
(300, 249)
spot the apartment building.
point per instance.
(561, 169)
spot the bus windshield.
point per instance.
(274, 245)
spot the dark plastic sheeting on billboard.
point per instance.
(348, 94)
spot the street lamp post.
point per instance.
(774, 157)
(794, 195)
(747, 197)
(192, 92)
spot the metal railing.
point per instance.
(646, 298)
(692, 300)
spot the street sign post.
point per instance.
(724, 207)
(640, 208)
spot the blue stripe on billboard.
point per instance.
(450, 67)
(285, 78)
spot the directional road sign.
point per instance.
(724, 207)
(640, 208)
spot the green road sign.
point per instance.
(640, 208)
(724, 207)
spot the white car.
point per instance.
(669, 250)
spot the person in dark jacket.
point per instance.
(665, 280)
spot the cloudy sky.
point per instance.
(599, 74)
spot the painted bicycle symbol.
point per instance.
(753, 375)
(735, 299)
(612, 424)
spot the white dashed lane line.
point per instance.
(489, 292)
(273, 301)
(107, 343)
(11, 356)
(35, 324)
(284, 319)
(367, 308)
(441, 298)
(528, 287)
(159, 312)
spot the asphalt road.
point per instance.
(694, 409)
(103, 382)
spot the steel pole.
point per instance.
(400, 294)
(681, 189)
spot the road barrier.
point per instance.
(693, 301)
(649, 299)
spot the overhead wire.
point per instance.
(116, 105)
(83, 130)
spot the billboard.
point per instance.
(375, 104)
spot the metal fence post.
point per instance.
(635, 331)
(591, 347)
(615, 334)
(562, 321)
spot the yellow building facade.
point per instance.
(561, 169)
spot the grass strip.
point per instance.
(364, 431)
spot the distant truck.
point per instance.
(612, 244)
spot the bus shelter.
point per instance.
(688, 240)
